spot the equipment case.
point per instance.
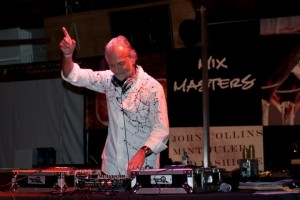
(40, 181)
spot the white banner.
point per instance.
(226, 145)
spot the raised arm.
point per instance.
(67, 46)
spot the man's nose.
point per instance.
(114, 68)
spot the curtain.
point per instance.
(38, 114)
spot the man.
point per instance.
(138, 126)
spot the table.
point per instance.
(74, 195)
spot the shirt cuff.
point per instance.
(72, 73)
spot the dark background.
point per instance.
(31, 13)
(237, 42)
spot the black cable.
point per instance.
(68, 194)
(125, 128)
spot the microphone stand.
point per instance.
(206, 132)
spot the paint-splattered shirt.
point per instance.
(137, 114)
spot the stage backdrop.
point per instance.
(226, 145)
(234, 102)
(233, 83)
(253, 72)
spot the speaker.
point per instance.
(43, 156)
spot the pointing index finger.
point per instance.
(65, 32)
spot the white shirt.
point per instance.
(137, 115)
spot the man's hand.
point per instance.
(137, 161)
(67, 45)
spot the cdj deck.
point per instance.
(55, 180)
(162, 181)
(182, 180)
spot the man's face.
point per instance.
(119, 62)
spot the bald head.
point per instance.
(120, 46)
(121, 57)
